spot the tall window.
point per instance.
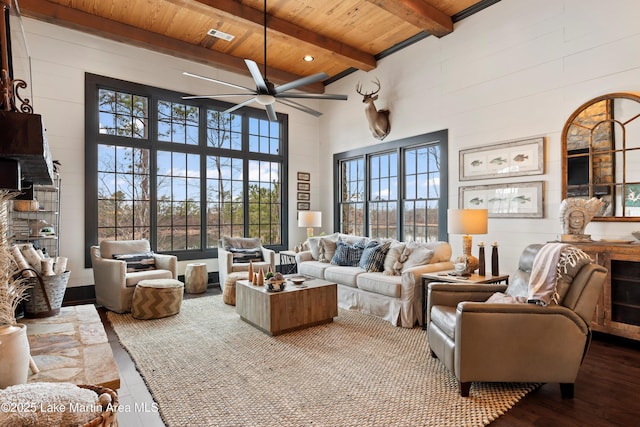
(383, 195)
(421, 193)
(405, 183)
(180, 174)
(352, 196)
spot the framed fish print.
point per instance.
(513, 200)
(515, 158)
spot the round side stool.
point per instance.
(195, 278)
(229, 293)
(156, 298)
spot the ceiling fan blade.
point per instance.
(313, 96)
(217, 81)
(271, 113)
(219, 95)
(300, 107)
(302, 82)
(257, 76)
(237, 107)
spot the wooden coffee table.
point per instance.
(296, 307)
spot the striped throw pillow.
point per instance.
(137, 262)
(348, 255)
(373, 256)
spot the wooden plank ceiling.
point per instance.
(341, 35)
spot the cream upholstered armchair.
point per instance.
(513, 342)
(118, 265)
(235, 254)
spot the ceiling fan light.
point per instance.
(308, 58)
(265, 99)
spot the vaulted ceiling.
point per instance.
(341, 35)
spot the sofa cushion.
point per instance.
(110, 247)
(380, 283)
(418, 255)
(140, 261)
(314, 246)
(132, 279)
(327, 248)
(372, 259)
(343, 275)
(313, 268)
(347, 254)
(393, 255)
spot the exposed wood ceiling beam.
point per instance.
(237, 11)
(77, 20)
(419, 13)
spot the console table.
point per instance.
(618, 309)
(444, 276)
(72, 346)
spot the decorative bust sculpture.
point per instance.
(575, 214)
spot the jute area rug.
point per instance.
(206, 367)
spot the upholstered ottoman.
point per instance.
(229, 293)
(156, 298)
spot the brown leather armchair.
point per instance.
(497, 342)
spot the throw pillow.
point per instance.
(245, 255)
(393, 255)
(314, 247)
(327, 248)
(137, 262)
(420, 255)
(373, 256)
(348, 255)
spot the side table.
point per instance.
(196, 278)
(444, 276)
(288, 262)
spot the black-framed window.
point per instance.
(396, 189)
(180, 173)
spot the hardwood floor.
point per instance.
(606, 392)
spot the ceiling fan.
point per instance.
(266, 93)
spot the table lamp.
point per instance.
(468, 222)
(309, 219)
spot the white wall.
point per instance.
(517, 69)
(60, 58)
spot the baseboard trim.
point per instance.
(78, 295)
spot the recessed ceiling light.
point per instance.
(308, 58)
(221, 35)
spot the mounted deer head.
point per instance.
(378, 119)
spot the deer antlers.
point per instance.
(359, 89)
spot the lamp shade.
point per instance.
(309, 219)
(467, 221)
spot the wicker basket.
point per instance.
(45, 295)
(108, 416)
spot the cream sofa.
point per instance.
(393, 294)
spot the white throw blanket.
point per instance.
(544, 274)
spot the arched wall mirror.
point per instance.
(601, 155)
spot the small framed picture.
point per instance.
(304, 176)
(304, 186)
(304, 196)
(303, 206)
